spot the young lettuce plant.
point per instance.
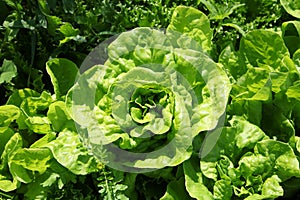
(156, 91)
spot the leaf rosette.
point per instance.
(140, 109)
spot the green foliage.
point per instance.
(224, 64)
(8, 71)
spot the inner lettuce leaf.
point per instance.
(144, 106)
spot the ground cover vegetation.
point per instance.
(215, 84)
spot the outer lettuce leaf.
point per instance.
(271, 163)
(37, 124)
(270, 189)
(8, 71)
(292, 92)
(282, 155)
(267, 82)
(78, 159)
(210, 85)
(276, 124)
(176, 190)
(292, 7)
(56, 177)
(297, 140)
(296, 59)
(185, 35)
(222, 189)
(8, 185)
(43, 142)
(5, 134)
(33, 106)
(233, 62)
(194, 180)
(230, 141)
(138, 47)
(33, 113)
(26, 162)
(8, 181)
(263, 47)
(8, 114)
(59, 117)
(34, 166)
(63, 74)
(18, 96)
(290, 34)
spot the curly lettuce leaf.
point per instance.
(270, 189)
(264, 48)
(5, 133)
(229, 141)
(26, 162)
(138, 47)
(222, 189)
(18, 96)
(190, 29)
(282, 155)
(8, 181)
(35, 106)
(8, 114)
(233, 62)
(78, 159)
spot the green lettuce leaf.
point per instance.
(8, 181)
(276, 124)
(59, 118)
(26, 162)
(262, 163)
(292, 7)
(270, 189)
(290, 34)
(233, 62)
(18, 96)
(196, 34)
(229, 142)
(194, 180)
(8, 71)
(176, 190)
(222, 189)
(35, 106)
(63, 73)
(264, 47)
(5, 134)
(297, 139)
(282, 155)
(8, 114)
(78, 159)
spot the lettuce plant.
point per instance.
(156, 91)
